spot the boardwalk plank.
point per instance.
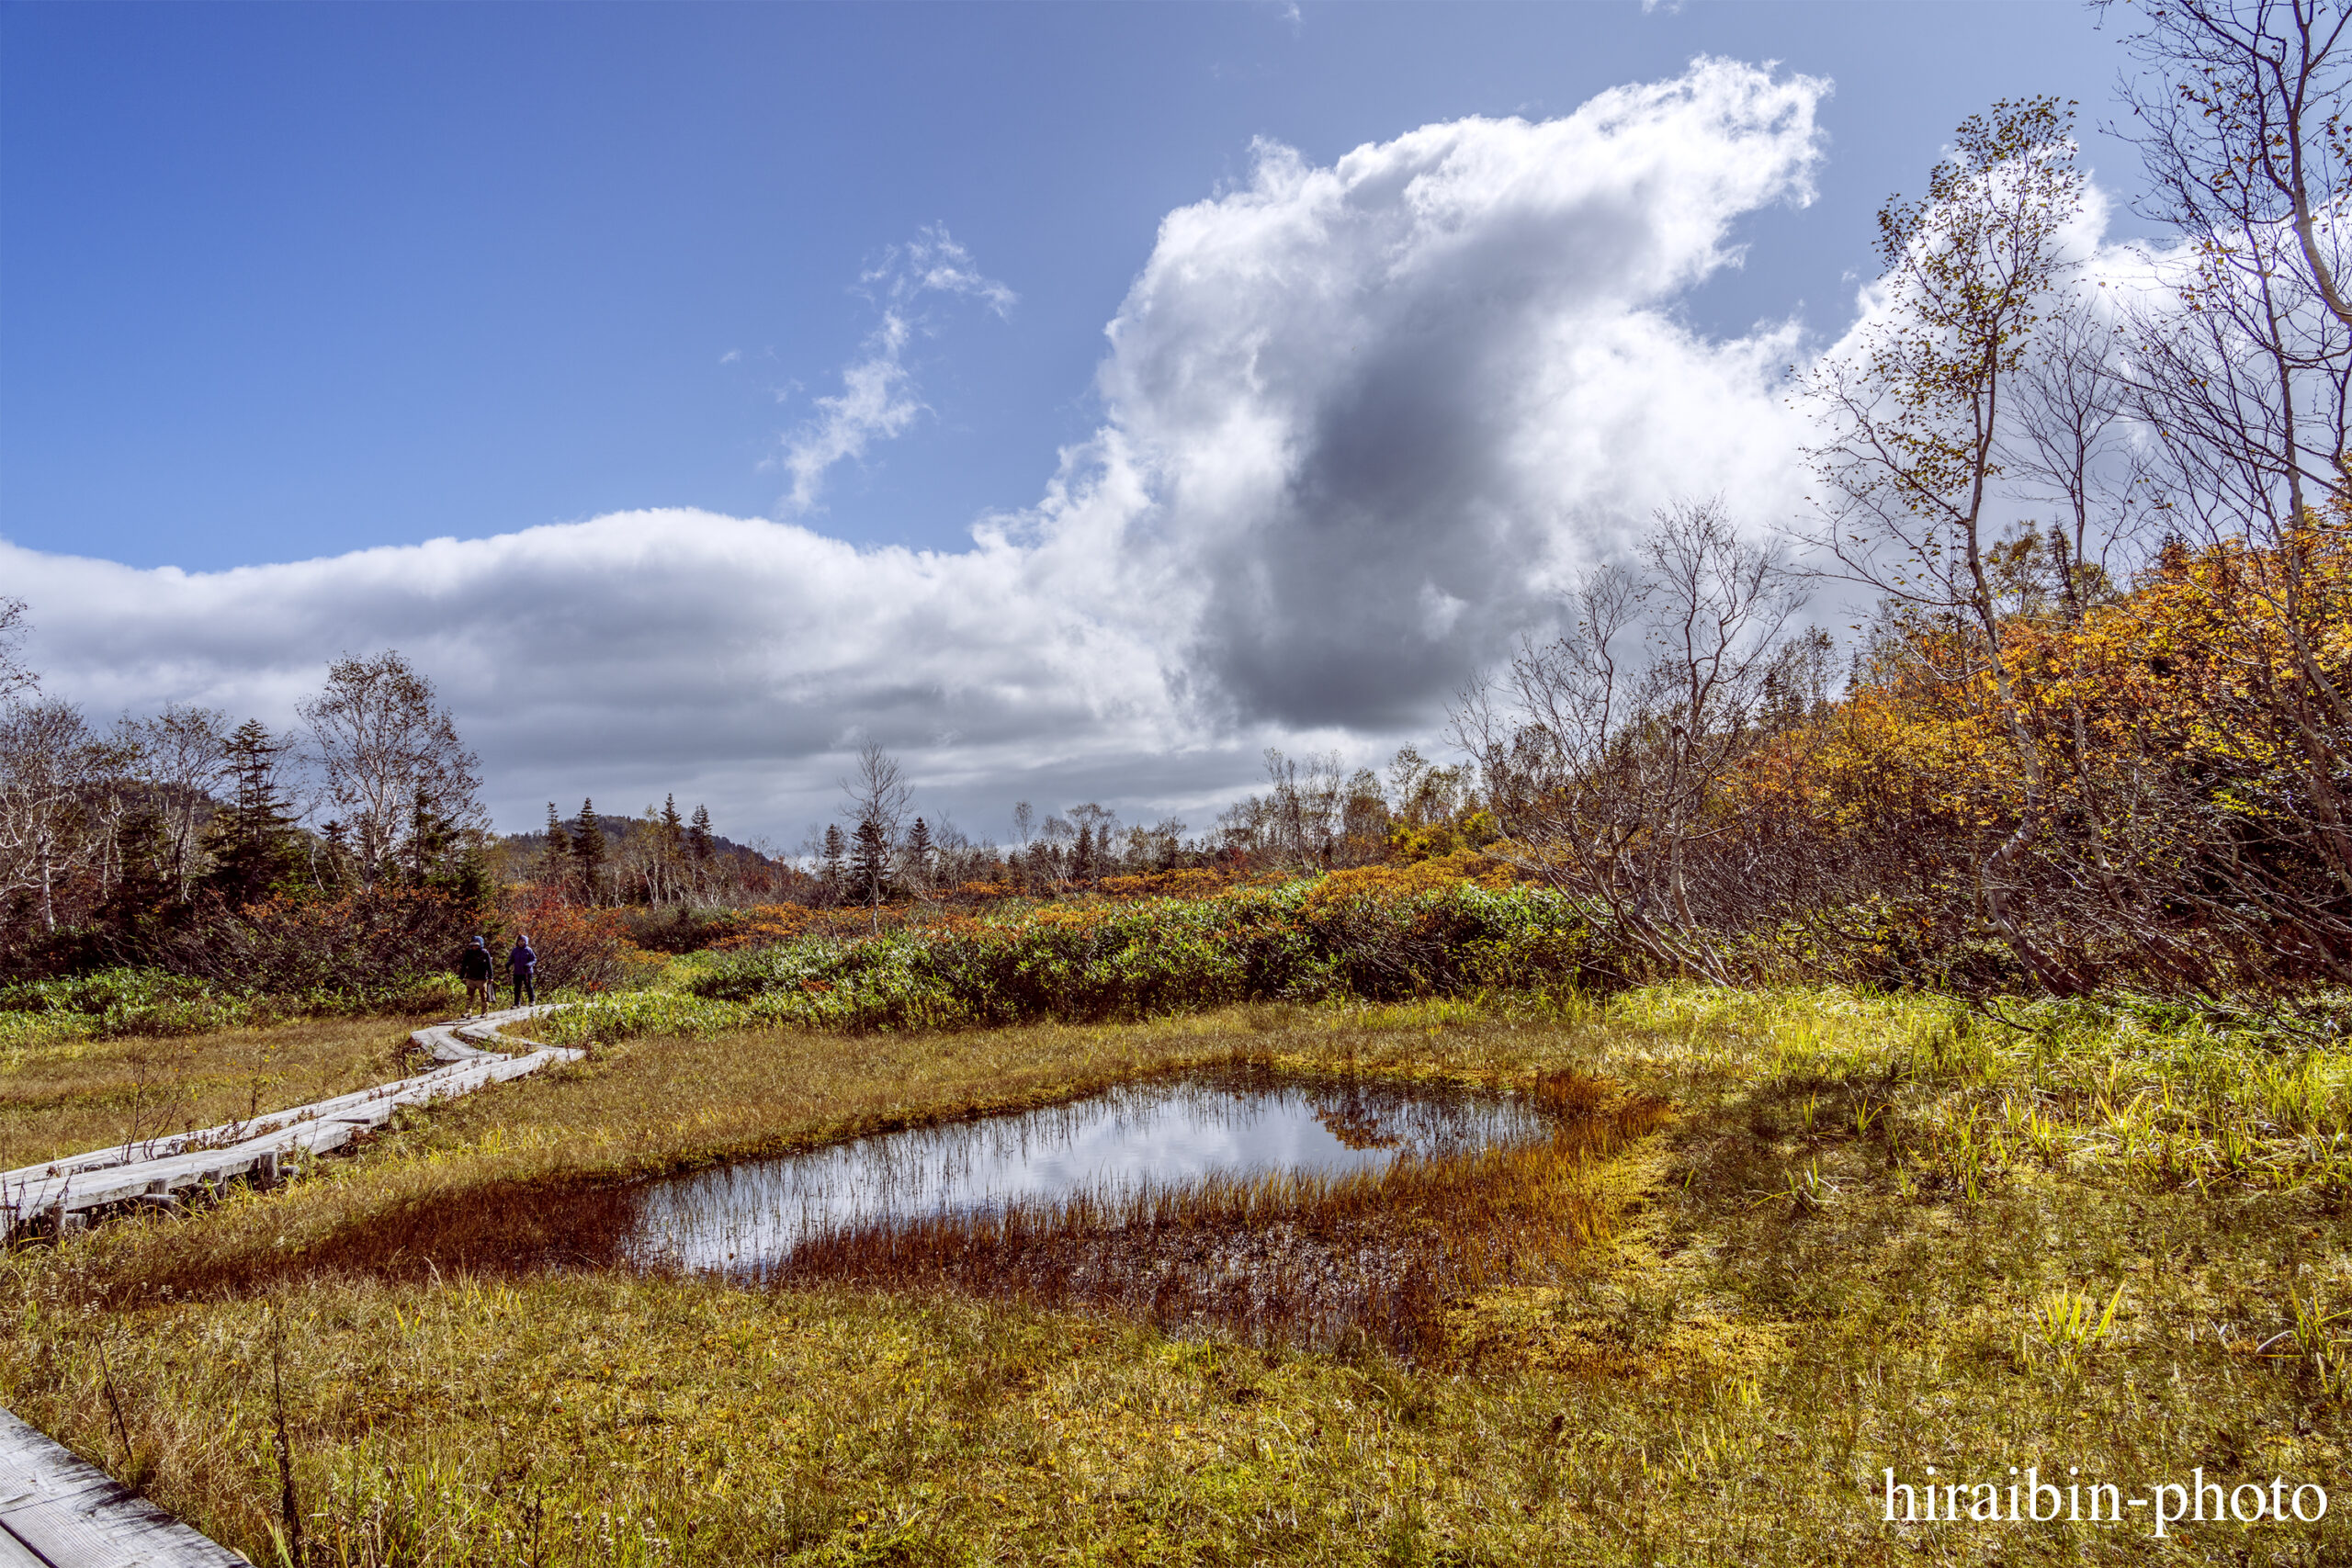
(61, 1511)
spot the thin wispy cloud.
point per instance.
(878, 399)
(932, 263)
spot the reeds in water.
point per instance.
(1301, 1257)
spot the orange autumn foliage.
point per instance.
(2193, 744)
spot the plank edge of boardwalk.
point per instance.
(58, 1510)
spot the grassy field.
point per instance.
(1870, 1233)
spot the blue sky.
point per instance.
(1288, 378)
(280, 281)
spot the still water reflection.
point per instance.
(746, 1218)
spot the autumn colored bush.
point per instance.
(587, 949)
(692, 930)
(379, 941)
(1188, 882)
(2195, 747)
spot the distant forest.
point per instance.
(177, 840)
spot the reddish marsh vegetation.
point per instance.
(1277, 1257)
(1287, 1257)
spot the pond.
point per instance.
(749, 1218)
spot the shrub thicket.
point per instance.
(1377, 933)
(116, 1002)
(373, 941)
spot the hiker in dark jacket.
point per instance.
(473, 968)
(524, 964)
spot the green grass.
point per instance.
(1876, 1232)
(110, 1004)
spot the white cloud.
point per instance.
(641, 652)
(932, 263)
(877, 400)
(1445, 366)
(1364, 421)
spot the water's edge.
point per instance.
(745, 1218)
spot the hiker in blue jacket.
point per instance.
(524, 965)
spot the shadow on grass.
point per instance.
(499, 1228)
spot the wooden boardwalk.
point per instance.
(64, 1195)
(58, 1511)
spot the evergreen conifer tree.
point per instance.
(253, 837)
(439, 855)
(469, 881)
(588, 851)
(830, 862)
(334, 867)
(919, 853)
(144, 885)
(869, 864)
(431, 838)
(671, 852)
(558, 850)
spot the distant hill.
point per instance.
(615, 828)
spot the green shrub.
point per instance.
(625, 1015)
(1377, 936)
(109, 1003)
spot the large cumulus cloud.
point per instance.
(1361, 421)
(1384, 407)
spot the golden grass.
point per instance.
(1809, 1277)
(69, 1097)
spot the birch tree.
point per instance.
(2243, 116)
(15, 677)
(1606, 750)
(51, 762)
(184, 757)
(383, 743)
(1918, 417)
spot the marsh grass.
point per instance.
(1718, 1376)
(531, 1175)
(68, 1096)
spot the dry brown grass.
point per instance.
(73, 1096)
(1839, 1255)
